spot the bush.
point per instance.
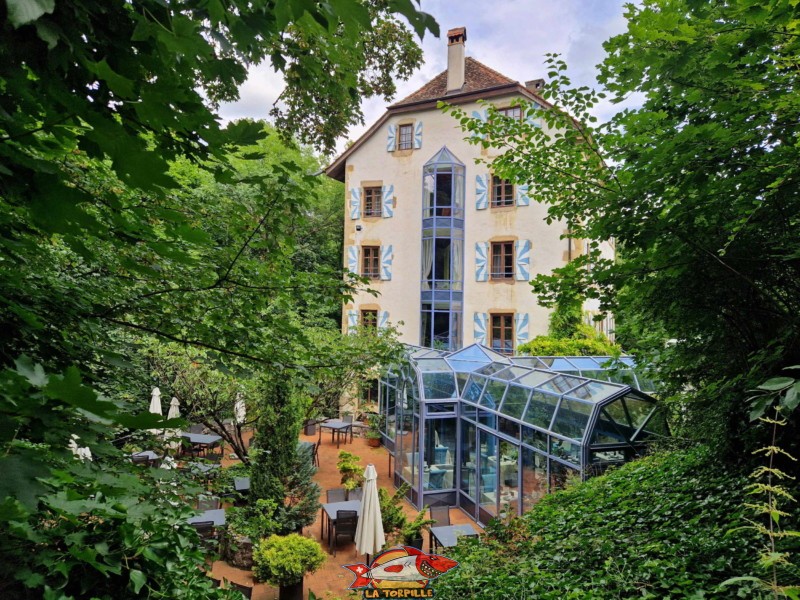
(666, 526)
(285, 560)
(351, 470)
(585, 341)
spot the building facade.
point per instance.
(449, 246)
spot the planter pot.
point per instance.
(291, 592)
(310, 427)
(374, 442)
(238, 551)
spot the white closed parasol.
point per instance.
(370, 537)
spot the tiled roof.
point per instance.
(477, 77)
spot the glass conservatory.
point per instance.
(490, 433)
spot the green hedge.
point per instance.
(661, 527)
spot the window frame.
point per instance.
(507, 195)
(368, 318)
(405, 142)
(375, 195)
(371, 262)
(511, 109)
(507, 327)
(506, 251)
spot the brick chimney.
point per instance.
(535, 85)
(455, 58)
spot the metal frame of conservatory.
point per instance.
(492, 434)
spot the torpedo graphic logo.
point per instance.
(401, 572)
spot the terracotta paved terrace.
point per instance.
(330, 582)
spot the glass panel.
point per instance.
(607, 430)
(488, 472)
(487, 418)
(508, 427)
(440, 452)
(511, 373)
(534, 478)
(601, 375)
(528, 361)
(470, 353)
(561, 475)
(624, 376)
(469, 411)
(584, 362)
(594, 391)
(540, 409)
(465, 365)
(515, 401)
(493, 394)
(469, 460)
(405, 448)
(572, 418)
(461, 381)
(639, 410)
(509, 476)
(474, 388)
(439, 385)
(557, 363)
(535, 378)
(435, 408)
(566, 450)
(432, 364)
(491, 368)
(535, 438)
(561, 384)
(390, 427)
(656, 426)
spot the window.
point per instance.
(502, 260)
(502, 192)
(502, 333)
(371, 263)
(514, 112)
(372, 201)
(369, 319)
(405, 139)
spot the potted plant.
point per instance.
(411, 531)
(373, 434)
(283, 560)
(350, 469)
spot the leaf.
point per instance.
(33, 373)
(22, 12)
(776, 384)
(138, 579)
(792, 397)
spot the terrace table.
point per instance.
(241, 484)
(201, 441)
(216, 515)
(330, 509)
(337, 426)
(148, 453)
(447, 536)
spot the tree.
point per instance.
(697, 187)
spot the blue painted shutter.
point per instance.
(387, 192)
(481, 261)
(418, 135)
(481, 191)
(532, 116)
(479, 327)
(522, 195)
(523, 266)
(521, 328)
(383, 319)
(386, 262)
(481, 116)
(352, 259)
(352, 321)
(355, 203)
(391, 138)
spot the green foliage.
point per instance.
(412, 529)
(695, 186)
(280, 471)
(351, 470)
(393, 517)
(661, 527)
(256, 520)
(584, 341)
(285, 560)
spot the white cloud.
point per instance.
(510, 36)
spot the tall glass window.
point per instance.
(442, 262)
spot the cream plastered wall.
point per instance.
(371, 164)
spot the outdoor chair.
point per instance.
(205, 529)
(346, 523)
(441, 515)
(208, 503)
(245, 590)
(315, 453)
(337, 495)
(355, 494)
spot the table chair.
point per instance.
(345, 526)
(441, 517)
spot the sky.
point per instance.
(510, 36)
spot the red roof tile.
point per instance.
(477, 77)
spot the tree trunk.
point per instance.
(291, 592)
